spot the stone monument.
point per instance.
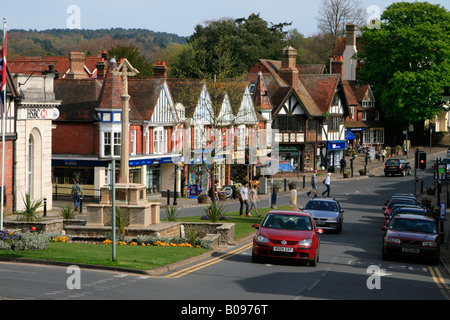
(129, 196)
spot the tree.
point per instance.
(335, 14)
(225, 48)
(132, 54)
(406, 61)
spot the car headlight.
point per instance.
(429, 244)
(305, 243)
(333, 219)
(261, 239)
(394, 240)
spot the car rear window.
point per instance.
(392, 162)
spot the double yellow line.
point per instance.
(440, 281)
(207, 263)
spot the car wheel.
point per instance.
(403, 173)
(255, 258)
(313, 262)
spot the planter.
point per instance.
(346, 174)
(362, 172)
(222, 197)
(202, 199)
(431, 192)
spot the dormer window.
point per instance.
(368, 104)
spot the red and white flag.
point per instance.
(3, 72)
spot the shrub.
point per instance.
(31, 241)
(30, 212)
(68, 212)
(172, 213)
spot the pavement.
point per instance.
(373, 168)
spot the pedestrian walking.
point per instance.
(76, 194)
(383, 154)
(313, 184)
(210, 192)
(327, 182)
(254, 199)
(244, 200)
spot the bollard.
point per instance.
(304, 182)
(285, 181)
(81, 203)
(168, 197)
(274, 199)
(45, 207)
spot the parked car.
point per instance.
(397, 166)
(411, 235)
(327, 213)
(287, 234)
(398, 206)
(388, 207)
(417, 210)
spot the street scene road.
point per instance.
(350, 266)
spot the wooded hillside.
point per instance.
(93, 42)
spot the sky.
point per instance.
(171, 16)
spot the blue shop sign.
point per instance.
(336, 145)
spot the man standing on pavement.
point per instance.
(343, 164)
(76, 193)
(244, 198)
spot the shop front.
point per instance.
(336, 150)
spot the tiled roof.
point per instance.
(340, 46)
(39, 64)
(321, 87)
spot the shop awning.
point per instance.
(349, 135)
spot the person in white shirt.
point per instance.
(244, 200)
(327, 184)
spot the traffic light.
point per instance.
(422, 160)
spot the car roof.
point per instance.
(323, 199)
(414, 217)
(299, 213)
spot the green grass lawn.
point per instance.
(134, 257)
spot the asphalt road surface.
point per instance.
(350, 268)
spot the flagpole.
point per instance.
(3, 127)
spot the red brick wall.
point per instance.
(8, 179)
(73, 138)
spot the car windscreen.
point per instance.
(287, 222)
(413, 225)
(321, 205)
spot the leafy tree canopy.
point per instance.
(226, 48)
(132, 54)
(407, 60)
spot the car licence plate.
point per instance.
(410, 250)
(283, 249)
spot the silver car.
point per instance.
(327, 213)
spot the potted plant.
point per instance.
(431, 191)
(362, 172)
(202, 198)
(346, 174)
(222, 195)
(276, 186)
(426, 202)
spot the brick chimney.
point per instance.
(101, 66)
(77, 61)
(288, 71)
(160, 70)
(337, 65)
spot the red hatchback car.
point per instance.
(287, 234)
(411, 235)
